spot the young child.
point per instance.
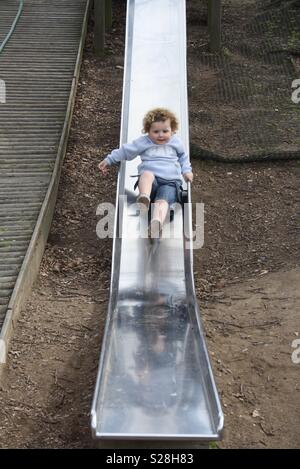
(163, 161)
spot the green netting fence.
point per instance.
(242, 108)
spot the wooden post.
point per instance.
(214, 25)
(108, 15)
(99, 28)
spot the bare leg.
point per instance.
(160, 210)
(145, 182)
(158, 217)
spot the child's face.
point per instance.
(160, 132)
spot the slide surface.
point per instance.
(155, 380)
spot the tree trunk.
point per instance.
(108, 15)
(99, 28)
(214, 25)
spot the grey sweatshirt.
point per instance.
(167, 161)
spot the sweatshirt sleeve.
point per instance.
(128, 151)
(183, 158)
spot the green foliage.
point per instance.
(213, 445)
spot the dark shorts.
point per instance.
(164, 189)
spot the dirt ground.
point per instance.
(247, 273)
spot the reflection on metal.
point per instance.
(155, 381)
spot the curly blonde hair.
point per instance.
(159, 114)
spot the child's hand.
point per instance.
(188, 177)
(103, 166)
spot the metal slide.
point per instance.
(155, 380)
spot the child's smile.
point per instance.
(160, 132)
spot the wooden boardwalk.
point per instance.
(37, 67)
